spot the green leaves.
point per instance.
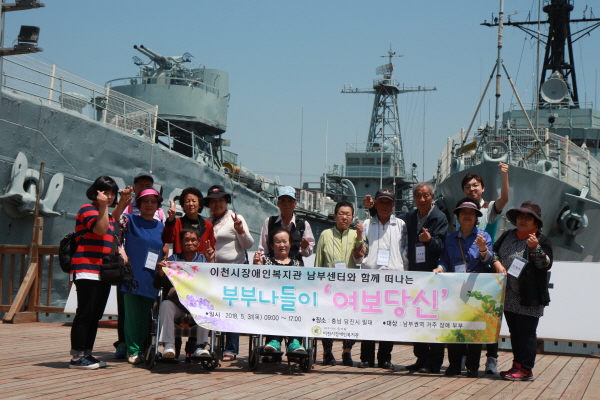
(487, 299)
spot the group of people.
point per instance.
(139, 231)
(416, 241)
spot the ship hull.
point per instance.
(549, 192)
(82, 149)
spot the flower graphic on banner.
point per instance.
(490, 312)
(177, 272)
(192, 301)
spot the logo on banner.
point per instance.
(316, 330)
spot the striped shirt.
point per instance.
(91, 247)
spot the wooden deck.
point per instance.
(34, 364)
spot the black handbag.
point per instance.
(114, 270)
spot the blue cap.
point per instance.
(287, 191)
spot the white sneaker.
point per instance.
(491, 366)
(201, 352)
(169, 351)
(134, 359)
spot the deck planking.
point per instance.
(34, 365)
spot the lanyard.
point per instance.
(461, 251)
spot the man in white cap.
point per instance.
(303, 240)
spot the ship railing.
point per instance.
(561, 105)
(14, 262)
(163, 80)
(32, 78)
(552, 155)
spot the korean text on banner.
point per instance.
(342, 303)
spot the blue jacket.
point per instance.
(452, 252)
(140, 236)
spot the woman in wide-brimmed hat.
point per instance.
(468, 249)
(526, 254)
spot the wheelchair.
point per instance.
(183, 327)
(305, 361)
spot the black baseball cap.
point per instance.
(143, 175)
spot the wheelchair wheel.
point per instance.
(306, 363)
(218, 345)
(212, 364)
(150, 359)
(254, 359)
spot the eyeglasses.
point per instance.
(149, 201)
(526, 217)
(473, 186)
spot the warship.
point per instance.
(167, 120)
(551, 146)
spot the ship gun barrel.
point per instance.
(157, 58)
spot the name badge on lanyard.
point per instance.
(420, 253)
(152, 259)
(339, 264)
(383, 257)
(517, 266)
(460, 268)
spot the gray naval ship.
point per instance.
(551, 146)
(168, 120)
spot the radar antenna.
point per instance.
(559, 55)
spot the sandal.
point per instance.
(228, 357)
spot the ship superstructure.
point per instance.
(378, 163)
(551, 146)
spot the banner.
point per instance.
(342, 303)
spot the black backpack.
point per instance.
(66, 250)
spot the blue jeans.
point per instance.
(232, 343)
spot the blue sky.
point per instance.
(285, 56)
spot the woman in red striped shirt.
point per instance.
(94, 230)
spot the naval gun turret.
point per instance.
(162, 61)
(195, 99)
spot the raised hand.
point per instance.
(126, 195)
(237, 224)
(257, 259)
(172, 210)
(209, 253)
(102, 199)
(359, 230)
(532, 241)
(424, 236)
(304, 244)
(503, 168)
(480, 242)
(368, 201)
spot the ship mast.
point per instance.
(559, 61)
(384, 129)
